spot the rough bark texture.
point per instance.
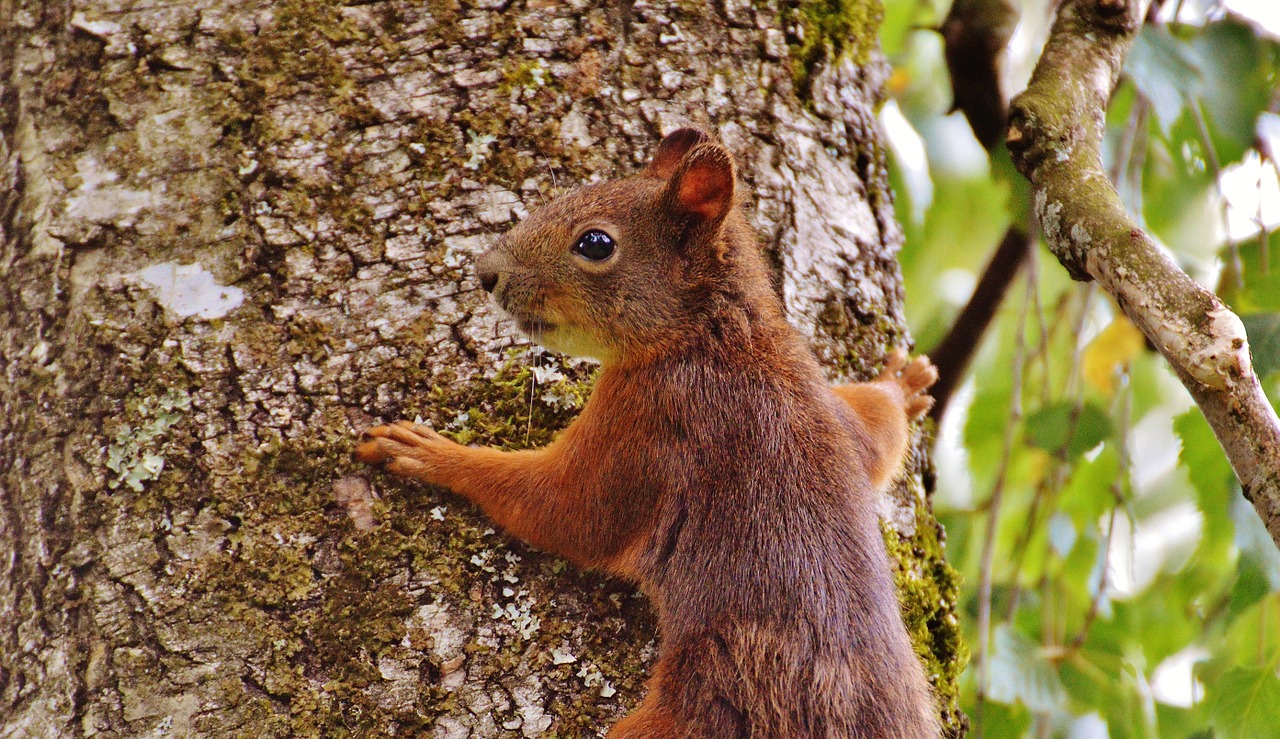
(234, 235)
(1055, 135)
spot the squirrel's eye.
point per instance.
(594, 245)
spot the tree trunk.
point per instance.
(236, 233)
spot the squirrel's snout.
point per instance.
(489, 269)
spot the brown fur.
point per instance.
(713, 465)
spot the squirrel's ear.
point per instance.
(702, 186)
(672, 151)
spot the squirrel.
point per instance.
(713, 465)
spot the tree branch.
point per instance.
(1055, 134)
(975, 34)
(953, 354)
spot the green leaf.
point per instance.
(1190, 723)
(1259, 564)
(1232, 88)
(1245, 702)
(1130, 713)
(1251, 586)
(1088, 492)
(1156, 623)
(1020, 672)
(1000, 721)
(1108, 684)
(1250, 640)
(1166, 71)
(1050, 428)
(1081, 574)
(1180, 203)
(1236, 64)
(1209, 471)
(984, 428)
(1263, 330)
(1257, 288)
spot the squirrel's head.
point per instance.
(626, 264)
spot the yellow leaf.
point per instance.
(898, 81)
(1038, 462)
(1110, 350)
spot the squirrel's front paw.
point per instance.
(914, 378)
(405, 448)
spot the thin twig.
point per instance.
(1126, 176)
(994, 501)
(1043, 338)
(1120, 488)
(1234, 270)
(1052, 483)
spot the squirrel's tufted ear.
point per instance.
(672, 151)
(702, 186)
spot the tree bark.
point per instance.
(235, 234)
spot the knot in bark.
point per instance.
(1120, 17)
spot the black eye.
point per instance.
(594, 245)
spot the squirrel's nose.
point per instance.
(488, 280)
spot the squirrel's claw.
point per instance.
(894, 362)
(372, 450)
(403, 446)
(914, 379)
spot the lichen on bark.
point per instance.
(323, 173)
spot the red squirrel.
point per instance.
(713, 464)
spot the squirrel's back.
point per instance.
(766, 561)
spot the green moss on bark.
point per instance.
(929, 590)
(823, 31)
(294, 570)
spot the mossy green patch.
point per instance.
(929, 590)
(350, 610)
(527, 401)
(524, 73)
(296, 56)
(829, 30)
(446, 14)
(295, 49)
(295, 571)
(436, 148)
(861, 335)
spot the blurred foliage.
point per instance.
(1133, 591)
